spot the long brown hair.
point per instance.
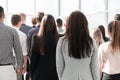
(48, 25)
(115, 35)
(78, 35)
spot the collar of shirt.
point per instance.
(15, 27)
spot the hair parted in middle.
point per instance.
(48, 26)
(79, 40)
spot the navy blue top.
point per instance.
(29, 37)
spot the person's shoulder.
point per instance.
(31, 30)
(22, 33)
(9, 28)
(104, 45)
(26, 26)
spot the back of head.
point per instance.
(1, 12)
(23, 17)
(117, 17)
(97, 35)
(34, 20)
(48, 27)
(115, 35)
(48, 24)
(78, 35)
(102, 29)
(15, 19)
(40, 16)
(59, 22)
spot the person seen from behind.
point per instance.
(109, 53)
(43, 51)
(9, 40)
(76, 53)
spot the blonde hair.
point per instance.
(23, 16)
(97, 35)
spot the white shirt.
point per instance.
(23, 41)
(111, 61)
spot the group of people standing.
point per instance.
(52, 56)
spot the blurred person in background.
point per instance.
(102, 29)
(117, 17)
(32, 32)
(34, 22)
(59, 24)
(16, 22)
(97, 36)
(24, 28)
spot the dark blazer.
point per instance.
(44, 67)
(31, 32)
(25, 28)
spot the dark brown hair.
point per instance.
(1, 11)
(40, 16)
(78, 35)
(117, 17)
(102, 29)
(15, 19)
(48, 26)
(59, 22)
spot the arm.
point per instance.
(59, 59)
(24, 49)
(17, 49)
(100, 55)
(25, 64)
(94, 63)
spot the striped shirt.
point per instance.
(9, 40)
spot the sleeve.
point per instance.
(24, 45)
(94, 63)
(100, 58)
(34, 55)
(17, 49)
(60, 64)
(29, 42)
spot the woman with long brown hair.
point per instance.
(76, 53)
(43, 65)
(109, 53)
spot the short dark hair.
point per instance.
(1, 11)
(15, 19)
(117, 17)
(59, 22)
(40, 16)
(102, 29)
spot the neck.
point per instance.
(1, 21)
(16, 26)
